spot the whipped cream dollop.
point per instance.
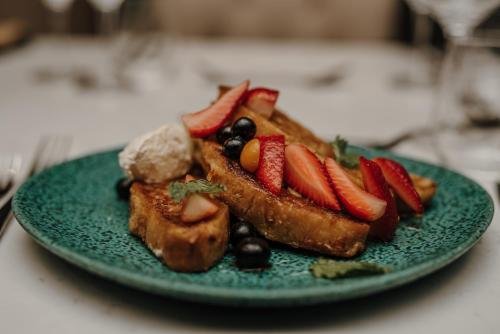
(160, 155)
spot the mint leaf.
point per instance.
(180, 190)
(331, 269)
(349, 160)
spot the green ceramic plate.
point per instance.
(73, 211)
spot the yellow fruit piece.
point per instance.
(249, 157)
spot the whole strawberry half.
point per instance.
(400, 181)
(207, 121)
(305, 173)
(261, 100)
(375, 183)
(357, 202)
(271, 162)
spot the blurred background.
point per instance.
(340, 19)
(421, 77)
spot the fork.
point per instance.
(9, 168)
(50, 150)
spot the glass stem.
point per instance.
(421, 33)
(443, 92)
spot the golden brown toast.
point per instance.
(300, 133)
(267, 127)
(279, 123)
(285, 218)
(183, 247)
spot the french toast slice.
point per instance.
(182, 247)
(285, 218)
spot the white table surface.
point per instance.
(41, 293)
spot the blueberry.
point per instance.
(240, 231)
(233, 147)
(224, 134)
(123, 188)
(252, 253)
(245, 128)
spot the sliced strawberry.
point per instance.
(305, 173)
(262, 100)
(197, 208)
(207, 121)
(357, 202)
(400, 181)
(271, 162)
(375, 184)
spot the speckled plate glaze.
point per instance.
(73, 211)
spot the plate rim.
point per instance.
(251, 296)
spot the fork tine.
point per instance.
(39, 154)
(3, 174)
(9, 172)
(15, 167)
(54, 150)
(66, 142)
(16, 164)
(49, 149)
(9, 166)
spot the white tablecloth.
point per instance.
(41, 293)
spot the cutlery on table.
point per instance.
(398, 139)
(328, 77)
(498, 190)
(50, 150)
(486, 122)
(9, 169)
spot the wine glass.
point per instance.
(416, 75)
(107, 27)
(469, 117)
(134, 58)
(458, 19)
(144, 60)
(58, 43)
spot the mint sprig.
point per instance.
(326, 268)
(180, 190)
(349, 160)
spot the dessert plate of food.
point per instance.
(239, 204)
